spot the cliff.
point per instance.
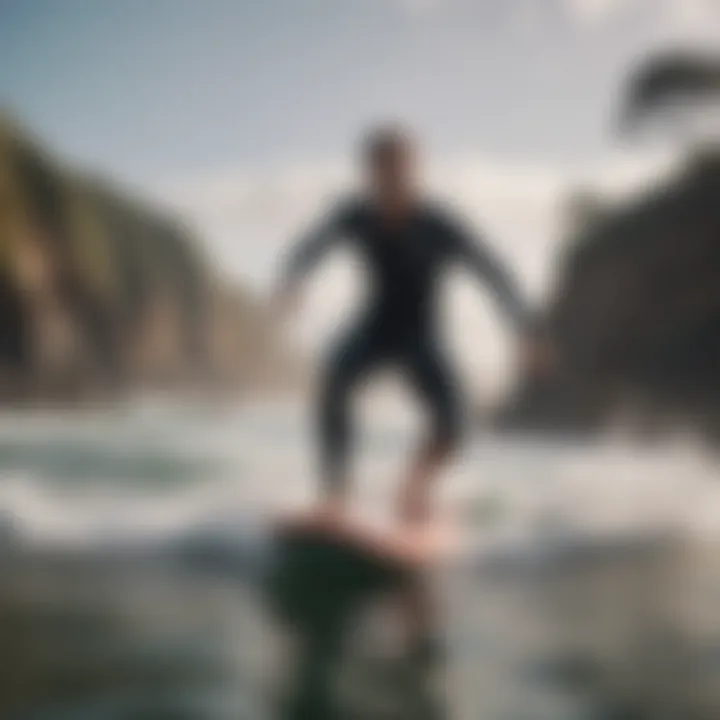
(102, 293)
(636, 314)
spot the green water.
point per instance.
(105, 613)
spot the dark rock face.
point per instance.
(101, 292)
(636, 314)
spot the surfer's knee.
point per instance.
(333, 398)
(447, 429)
(344, 371)
(448, 437)
(333, 412)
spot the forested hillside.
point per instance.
(102, 293)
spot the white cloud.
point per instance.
(593, 12)
(701, 16)
(263, 208)
(421, 6)
(694, 14)
(249, 216)
(691, 18)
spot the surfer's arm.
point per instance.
(312, 247)
(484, 263)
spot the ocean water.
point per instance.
(584, 583)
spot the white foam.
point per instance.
(607, 488)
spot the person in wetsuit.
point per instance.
(407, 242)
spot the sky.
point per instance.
(243, 114)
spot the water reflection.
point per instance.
(318, 590)
(624, 631)
(140, 599)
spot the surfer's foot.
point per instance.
(414, 507)
(332, 510)
(415, 501)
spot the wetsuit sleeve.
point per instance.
(483, 262)
(312, 246)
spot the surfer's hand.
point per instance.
(538, 357)
(285, 300)
(414, 503)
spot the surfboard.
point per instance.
(326, 569)
(409, 546)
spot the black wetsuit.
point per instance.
(398, 327)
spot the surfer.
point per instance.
(406, 241)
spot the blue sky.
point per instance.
(243, 113)
(150, 89)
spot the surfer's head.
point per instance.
(389, 157)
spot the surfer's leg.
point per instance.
(347, 367)
(421, 612)
(430, 374)
(433, 380)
